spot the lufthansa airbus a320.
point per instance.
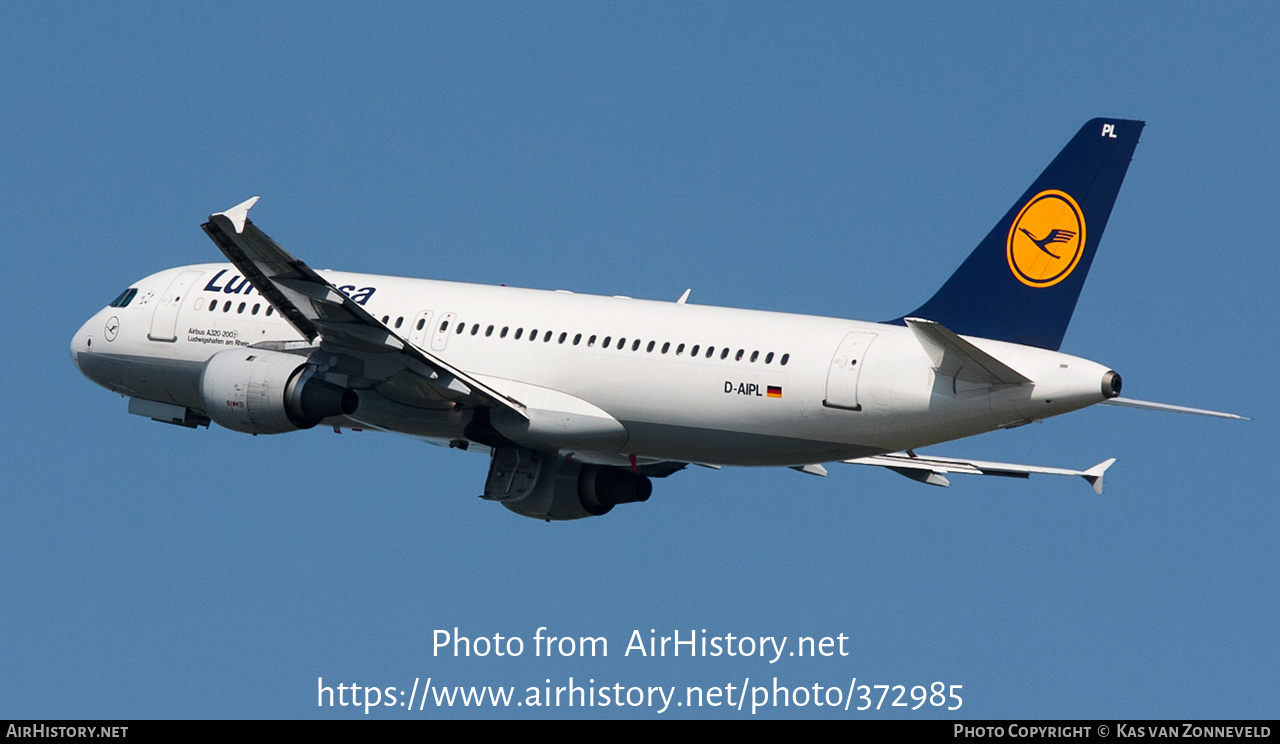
(580, 400)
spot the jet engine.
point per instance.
(543, 486)
(269, 392)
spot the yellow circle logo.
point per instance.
(1046, 239)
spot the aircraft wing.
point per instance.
(317, 309)
(932, 470)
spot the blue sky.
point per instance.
(831, 159)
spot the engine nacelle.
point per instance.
(269, 392)
(542, 486)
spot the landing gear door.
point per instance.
(846, 366)
(164, 322)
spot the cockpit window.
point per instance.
(125, 298)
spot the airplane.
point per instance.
(581, 400)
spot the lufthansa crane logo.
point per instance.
(1046, 239)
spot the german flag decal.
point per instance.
(774, 391)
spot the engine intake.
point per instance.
(268, 392)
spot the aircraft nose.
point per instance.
(81, 343)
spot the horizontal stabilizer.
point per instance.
(1148, 405)
(933, 470)
(955, 357)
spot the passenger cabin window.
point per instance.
(422, 323)
(399, 321)
(270, 309)
(785, 357)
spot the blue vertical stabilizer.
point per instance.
(1022, 281)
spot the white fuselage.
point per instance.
(651, 380)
